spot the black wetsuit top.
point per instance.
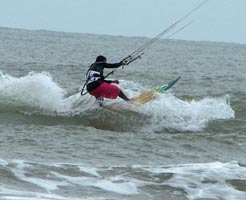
(95, 76)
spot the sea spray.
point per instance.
(35, 91)
(170, 112)
(38, 93)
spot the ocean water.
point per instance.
(187, 144)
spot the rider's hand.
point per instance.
(124, 62)
(115, 81)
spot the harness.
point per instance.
(93, 79)
(92, 76)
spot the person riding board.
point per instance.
(96, 84)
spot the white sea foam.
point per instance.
(43, 183)
(168, 111)
(197, 180)
(111, 184)
(205, 180)
(39, 93)
(3, 162)
(92, 171)
(15, 194)
(35, 90)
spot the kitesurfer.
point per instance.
(96, 84)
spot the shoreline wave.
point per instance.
(191, 181)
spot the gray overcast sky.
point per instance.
(217, 20)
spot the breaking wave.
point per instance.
(37, 94)
(215, 180)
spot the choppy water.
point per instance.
(189, 143)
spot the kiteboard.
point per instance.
(152, 94)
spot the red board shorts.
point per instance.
(106, 90)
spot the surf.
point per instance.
(34, 91)
(38, 95)
(192, 181)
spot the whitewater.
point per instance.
(188, 143)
